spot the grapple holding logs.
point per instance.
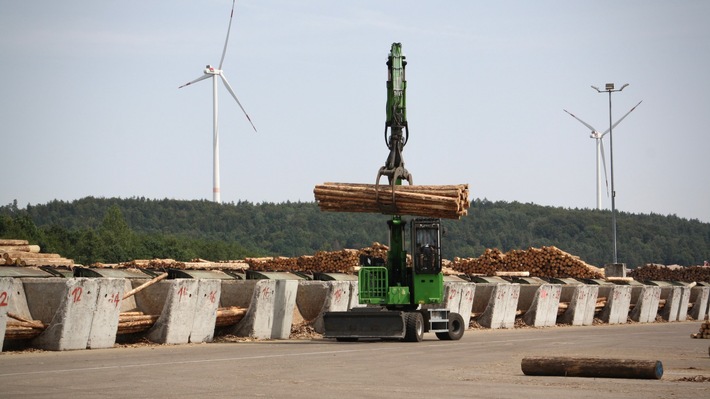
(402, 300)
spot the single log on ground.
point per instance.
(229, 316)
(592, 367)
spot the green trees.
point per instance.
(113, 230)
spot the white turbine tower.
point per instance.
(212, 72)
(601, 162)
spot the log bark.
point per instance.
(592, 367)
(7, 242)
(20, 248)
(31, 323)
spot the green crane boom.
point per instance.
(401, 300)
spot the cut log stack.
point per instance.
(376, 250)
(21, 253)
(671, 273)
(704, 331)
(539, 262)
(446, 201)
(272, 264)
(343, 261)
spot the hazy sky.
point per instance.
(90, 106)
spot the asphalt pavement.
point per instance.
(483, 364)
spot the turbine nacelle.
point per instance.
(210, 70)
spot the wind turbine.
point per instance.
(212, 72)
(601, 162)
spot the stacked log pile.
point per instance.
(539, 262)
(704, 331)
(343, 261)
(376, 250)
(272, 264)
(446, 201)
(21, 253)
(671, 273)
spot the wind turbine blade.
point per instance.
(606, 178)
(229, 88)
(583, 122)
(229, 28)
(622, 118)
(203, 77)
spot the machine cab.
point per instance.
(426, 246)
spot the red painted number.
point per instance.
(115, 299)
(182, 292)
(76, 294)
(3, 298)
(213, 296)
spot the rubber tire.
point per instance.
(414, 327)
(456, 328)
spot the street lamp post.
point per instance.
(609, 88)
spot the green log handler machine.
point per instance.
(399, 301)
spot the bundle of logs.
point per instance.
(541, 262)
(446, 201)
(671, 273)
(21, 253)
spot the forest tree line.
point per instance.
(111, 230)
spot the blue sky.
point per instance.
(90, 104)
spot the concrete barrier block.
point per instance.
(176, 318)
(152, 299)
(582, 301)
(699, 298)
(270, 312)
(129, 304)
(618, 302)
(70, 325)
(501, 307)
(672, 297)
(684, 302)
(203, 323)
(284, 304)
(458, 298)
(646, 300)
(337, 299)
(5, 301)
(43, 296)
(311, 298)
(104, 322)
(355, 295)
(237, 293)
(482, 297)
(545, 304)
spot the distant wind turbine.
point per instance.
(601, 162)
(212, 72)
